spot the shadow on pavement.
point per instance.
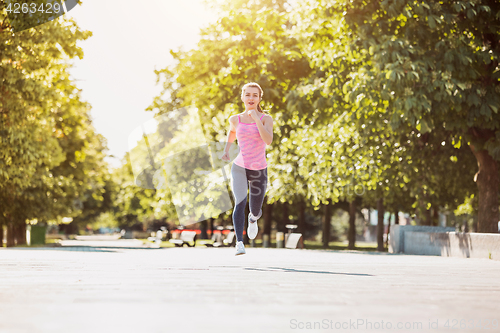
(109, 249)
(281, 269)
(378, 253)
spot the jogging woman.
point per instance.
(254, 130)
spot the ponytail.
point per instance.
(260, 109)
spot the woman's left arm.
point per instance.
(266, 131)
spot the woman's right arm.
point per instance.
(230, 137)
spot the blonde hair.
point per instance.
(261, 93)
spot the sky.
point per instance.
(130, 40)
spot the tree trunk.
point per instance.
(474, 223)
(21, 233)
(301, 227)
(268, 217)
(487, 184)
(435, 217)
(427, 218)
(11, 241)
(396, 215)
(203, 229)
(351, 235)
(285, 220)
(380, 225)
(388, 232)
(466, 225)
(327, 216)
(211, 226)
(368, 226)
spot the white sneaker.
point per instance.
(253, 227)
(240, 248)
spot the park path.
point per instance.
(112, 289)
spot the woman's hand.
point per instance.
(225, 156)
(253, 113)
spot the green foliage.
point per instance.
(369, 98)
(377, 64)
(51, 160)
(466, 208)
(133, 204)
(250, 42)
(434, 64)
(105, 220)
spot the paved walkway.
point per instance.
(267, 290)
(97, 245)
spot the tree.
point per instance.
(50, 153)
(435, 66)
(248, 43)
(403, 162)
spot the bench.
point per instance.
(230, 240)
(157, 238)
(293, 240)
(216, 238)
(187, 237)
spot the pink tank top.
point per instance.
(252, 148)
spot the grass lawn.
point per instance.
(310, 245)
(163, 244)
(359, 246)
(48, 242)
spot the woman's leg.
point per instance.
(239, 186)
(258, 186)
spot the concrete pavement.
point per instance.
(98, 244)
(112, 289)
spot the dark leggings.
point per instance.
(241, 177)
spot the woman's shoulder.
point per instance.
(234, 118)
(266, 115)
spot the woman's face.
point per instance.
(251, 98)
